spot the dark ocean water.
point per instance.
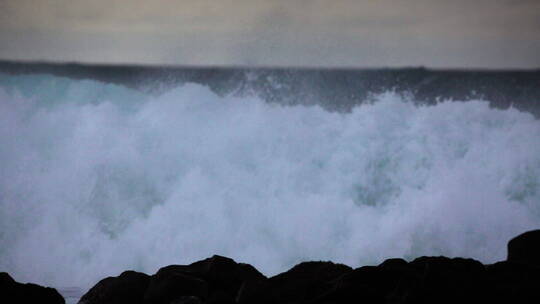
(334, 89)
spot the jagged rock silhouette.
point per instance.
(221, 280)
(423, 280)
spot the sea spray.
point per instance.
(97, 178)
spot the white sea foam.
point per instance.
(96, 179)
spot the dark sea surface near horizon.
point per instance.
(335, 89)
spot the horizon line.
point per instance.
(258, 67)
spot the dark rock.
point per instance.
(214, 280)
(525, 248)
(370, 284)
(365, 284)
(513, 282)
(187, 300)
(302, 283)
(251, 290)
(394, 264)
(446, 280)
(407, 278)
(127, 288)
(225, 276)
(6, 279)
(443, 264)
(166, 286)
(14, 292)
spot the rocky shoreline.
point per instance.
(222, 280)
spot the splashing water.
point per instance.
(96, 179)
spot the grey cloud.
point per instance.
(485, 33)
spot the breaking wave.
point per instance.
(97, 178)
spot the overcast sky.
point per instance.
(375, 33)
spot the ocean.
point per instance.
(105, 169)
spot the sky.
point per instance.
(339, 33)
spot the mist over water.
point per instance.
(96, 179)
